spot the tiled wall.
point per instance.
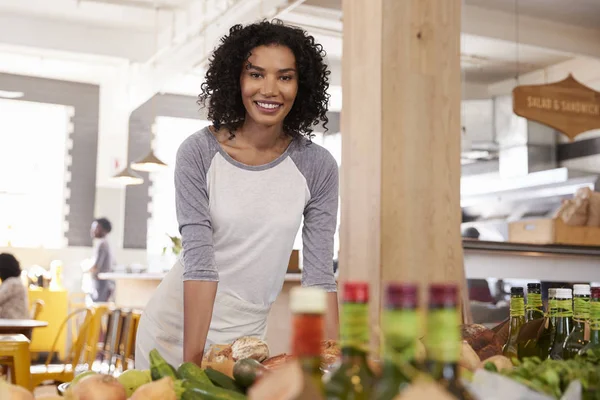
(84, 98)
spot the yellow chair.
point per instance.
(64, 372)
(16, 349)
(36, 308)
(96, 328)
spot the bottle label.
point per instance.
(564, 308)
(581, 308)
(443, 339)
(517, 307)
(595, 315)
(354, 329)
(534, 301)
(401, 329)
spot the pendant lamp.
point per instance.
(127, 177)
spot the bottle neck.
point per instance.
(443, 337)
(595, 321)
(552, 307)
(354, 328)
(534, 307)
(400, 327)
(581, 309)
(307, 335)
(564, 308)
(517, 307)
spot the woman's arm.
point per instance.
(320, 223)
(200, 274)
(198, 300)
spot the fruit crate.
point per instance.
(553, 231)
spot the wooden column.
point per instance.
(400, 180)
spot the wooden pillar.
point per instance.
(400, 180)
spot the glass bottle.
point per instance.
(353, 379)
(581, 314)
(594, 342)
(564, 322)
(308, 305)
(400, 329)
(443, 339)
(552, 310)
(534, 310)
(517, 319)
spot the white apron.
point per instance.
(163, 329)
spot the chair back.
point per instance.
(80, 339)
(36, 308)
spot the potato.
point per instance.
(468, 358)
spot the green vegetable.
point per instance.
(159, 368)
(192, 372)
(221, 380)
(247, 371)
(490, 366)
(204, 392)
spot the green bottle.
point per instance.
(581, 314)
(552, 311)
(534, 310)
(353, 379)
(594, 342)
(308, 307)
(400, 330)
(564, 322)
(443, 339)
(517, 319)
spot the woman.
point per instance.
(242, 188)
(13, 295)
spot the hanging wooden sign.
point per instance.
(568, 106)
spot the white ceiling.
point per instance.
(585, 13)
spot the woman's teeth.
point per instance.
(267, 105)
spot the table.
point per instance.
(23, 326)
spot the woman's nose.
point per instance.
(269, 87)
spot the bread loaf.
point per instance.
(594, 205)
(482, 340)
(249, 347)
(576, 212)
(276, 361)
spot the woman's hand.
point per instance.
(198, 302)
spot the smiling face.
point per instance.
(269, 84)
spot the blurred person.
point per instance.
(103, 260)
(14, 303)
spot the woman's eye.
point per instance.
(286, 78)
(255, 75)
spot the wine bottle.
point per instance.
(564, 322)
(517, 319)
(581, 313)
(353, 379)
(538, 346)
(594, 342)
(534, 309)
(400, 330)
(308, 305)
(443, 339)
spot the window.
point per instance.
(169, 134)
(33, 161)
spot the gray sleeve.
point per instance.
(193, 217)
(320, 220)
(103, 259)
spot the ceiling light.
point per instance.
(11, 95)
(150, 163)
(127, 177)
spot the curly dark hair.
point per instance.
(221, 89)
(9, 267)
(105, 224)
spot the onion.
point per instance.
(98, 387)
(13, 392)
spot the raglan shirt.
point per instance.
(238, 222)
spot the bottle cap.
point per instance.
(401, 295)
(307, 300)
(552, 292)
(596, 293)
(515, 291)
(534, 286)
(581, 290)
(356, 292)
(443, 294)
(564, 293)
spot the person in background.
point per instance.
(13, 294)
(103, 260)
